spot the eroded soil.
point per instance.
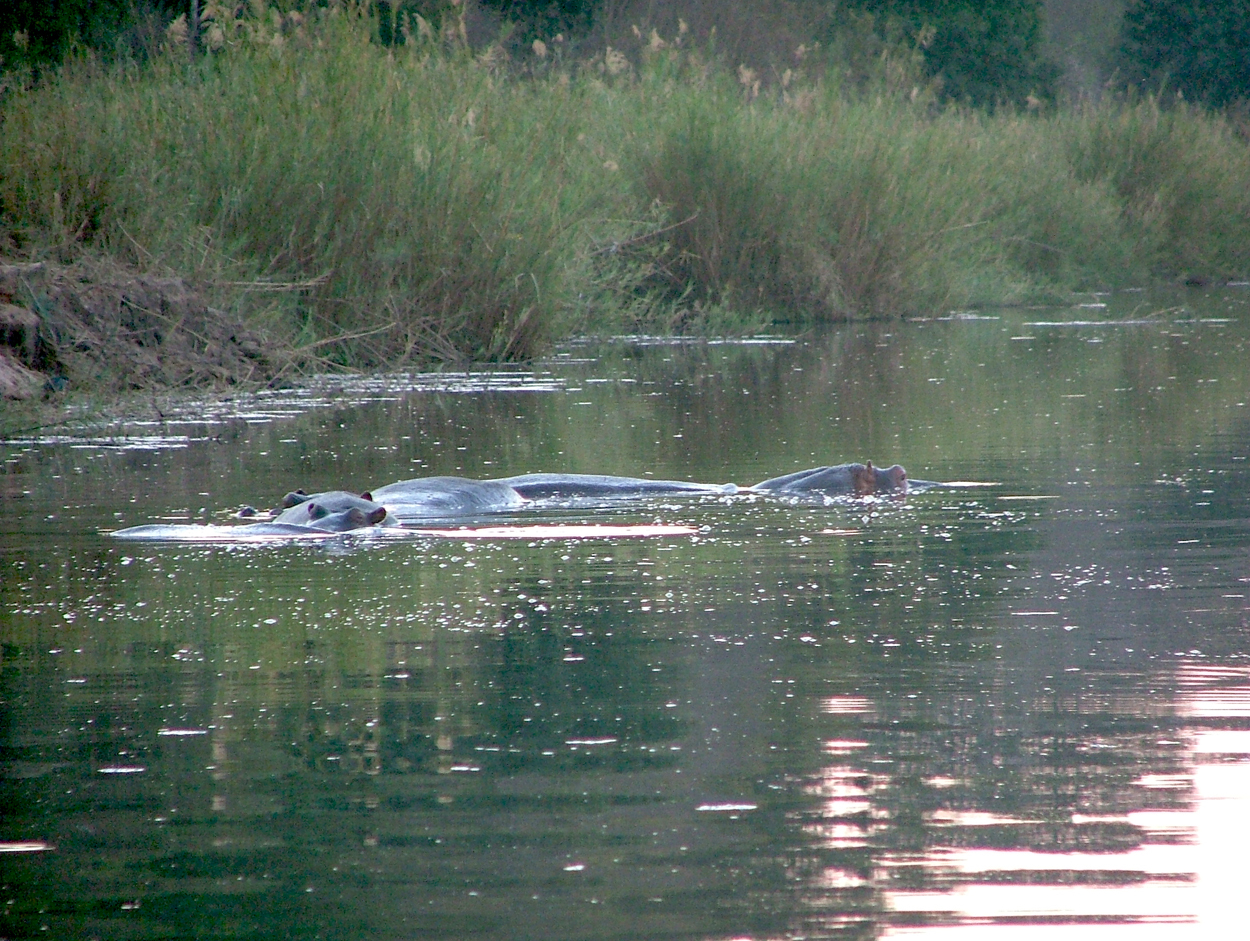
(109, 330)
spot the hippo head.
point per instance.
(891, 478)
(296, 497)
(344, 520)
(308, 509)
(867, 480)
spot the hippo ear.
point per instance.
(865, 479)
(376, 516)
(294, 498)
(367, 496)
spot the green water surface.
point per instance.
(1023, 706)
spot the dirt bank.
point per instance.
(105, 330)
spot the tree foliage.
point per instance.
(40, 32)
(543, 19)
(1200, 48)
(983, 52)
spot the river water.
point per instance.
(1008, 711)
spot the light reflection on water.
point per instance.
(1184, 879)
(1006, 711)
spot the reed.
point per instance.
(427, 205)
(374, 205)
(1181, 177)
(824, 205)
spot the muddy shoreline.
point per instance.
(102, 328)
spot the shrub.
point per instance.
(983, 52)
(1200, 48)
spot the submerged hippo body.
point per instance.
(858, 480)
(557, 486)
(317, 515)
(331, 523)
(426, 498)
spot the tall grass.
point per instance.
(1181, 178)
(414, 203)
(379, 205)
(820, 205)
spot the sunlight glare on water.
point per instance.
(1189, 889)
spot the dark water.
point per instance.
(1002, 712)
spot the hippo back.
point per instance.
(197, 532)
(542, 486)
(441, 497)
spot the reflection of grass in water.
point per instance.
(957, 399)
(416, 201)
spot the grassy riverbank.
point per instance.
(365, 206)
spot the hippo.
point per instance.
(425, 498)
(319, 524)
(859, 480)
(549, 486)
(433, 498)
(343, 521)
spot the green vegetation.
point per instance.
(35, 34)
(980, 51)
(366, 204)
(1199, 48)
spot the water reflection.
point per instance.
(1171, 864)
(990, 712)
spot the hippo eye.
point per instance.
(316, 511)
